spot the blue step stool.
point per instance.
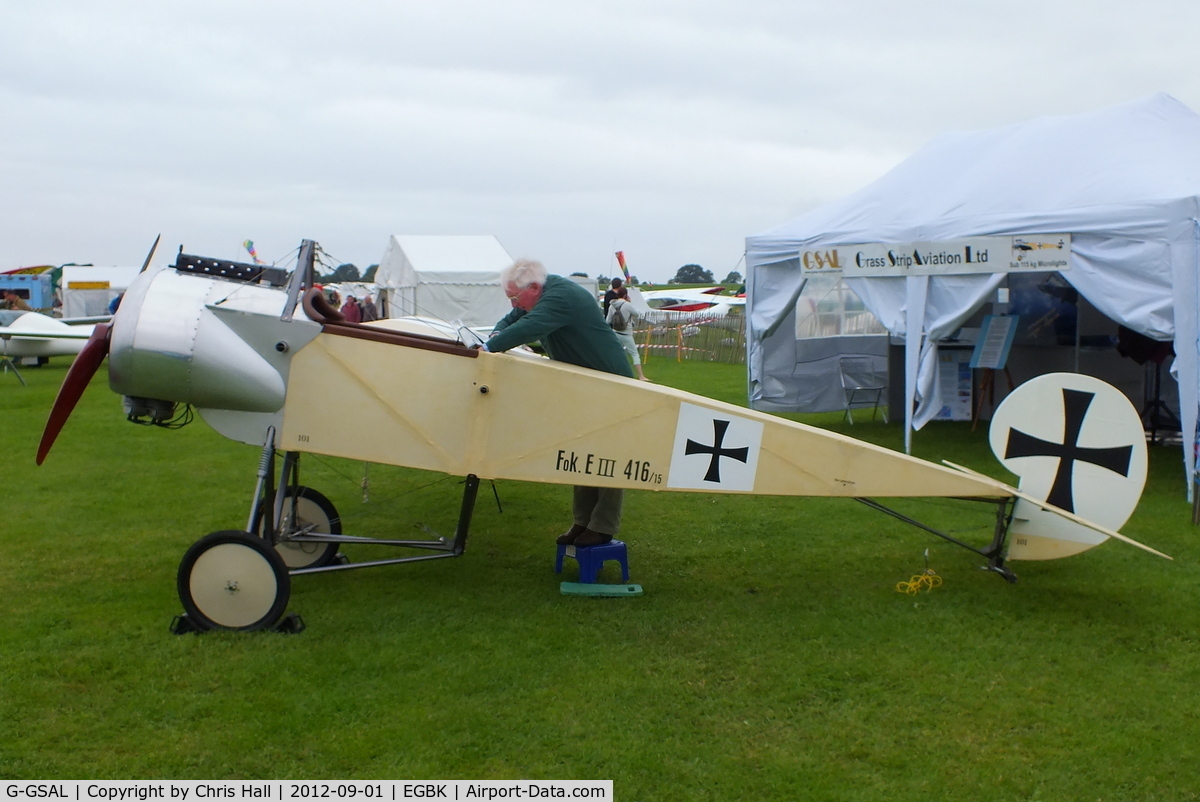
(592, 558)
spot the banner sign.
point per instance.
(1026, 254)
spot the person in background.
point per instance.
(351, 310)
(611, 293)
(369, 311)
(620, 318)
(566, 319)
(15, 302)
(115, 304)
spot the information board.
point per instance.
(995, 341)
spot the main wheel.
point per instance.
(312, 509)
(233, 580)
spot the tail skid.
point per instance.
(1071, 517)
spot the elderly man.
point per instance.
(567, 321)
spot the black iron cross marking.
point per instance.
(714, 468)
(1075, 405)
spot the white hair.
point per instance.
(522, 273)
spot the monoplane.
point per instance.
(32, 335)
(692, 301)
(266, 361)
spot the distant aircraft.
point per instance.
(693, 301)
(30, 334)
(269, 364)
(26, 334)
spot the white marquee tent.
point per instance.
(1123, 182)
(444, 277)
(87, 290)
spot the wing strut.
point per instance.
(7, 363)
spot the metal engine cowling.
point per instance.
(173, 339)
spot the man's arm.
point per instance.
(552, 312)
(509, 319)
(503, 324)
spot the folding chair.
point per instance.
(862, 385)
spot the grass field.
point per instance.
(771, 656)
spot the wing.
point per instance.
(6, 334)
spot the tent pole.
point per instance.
(916, 288)
(1078, 328)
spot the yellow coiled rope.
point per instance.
(926, 581)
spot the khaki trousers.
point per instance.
(599, 508)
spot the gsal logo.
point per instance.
(821, 260)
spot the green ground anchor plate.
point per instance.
(586, 589)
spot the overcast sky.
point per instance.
(670, 130)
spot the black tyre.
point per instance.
(312, 509)
(233, 580)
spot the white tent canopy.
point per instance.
(87, 290)
(444, 277)
(1123, 182)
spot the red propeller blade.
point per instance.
(82, 370)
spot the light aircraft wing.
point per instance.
(31, 334)
(80, 321)
(691, 300)
(6, 334)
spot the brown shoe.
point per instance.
(590, 538)
(568, 537)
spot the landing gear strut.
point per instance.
(241, 580)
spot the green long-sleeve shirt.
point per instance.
(568, 322)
